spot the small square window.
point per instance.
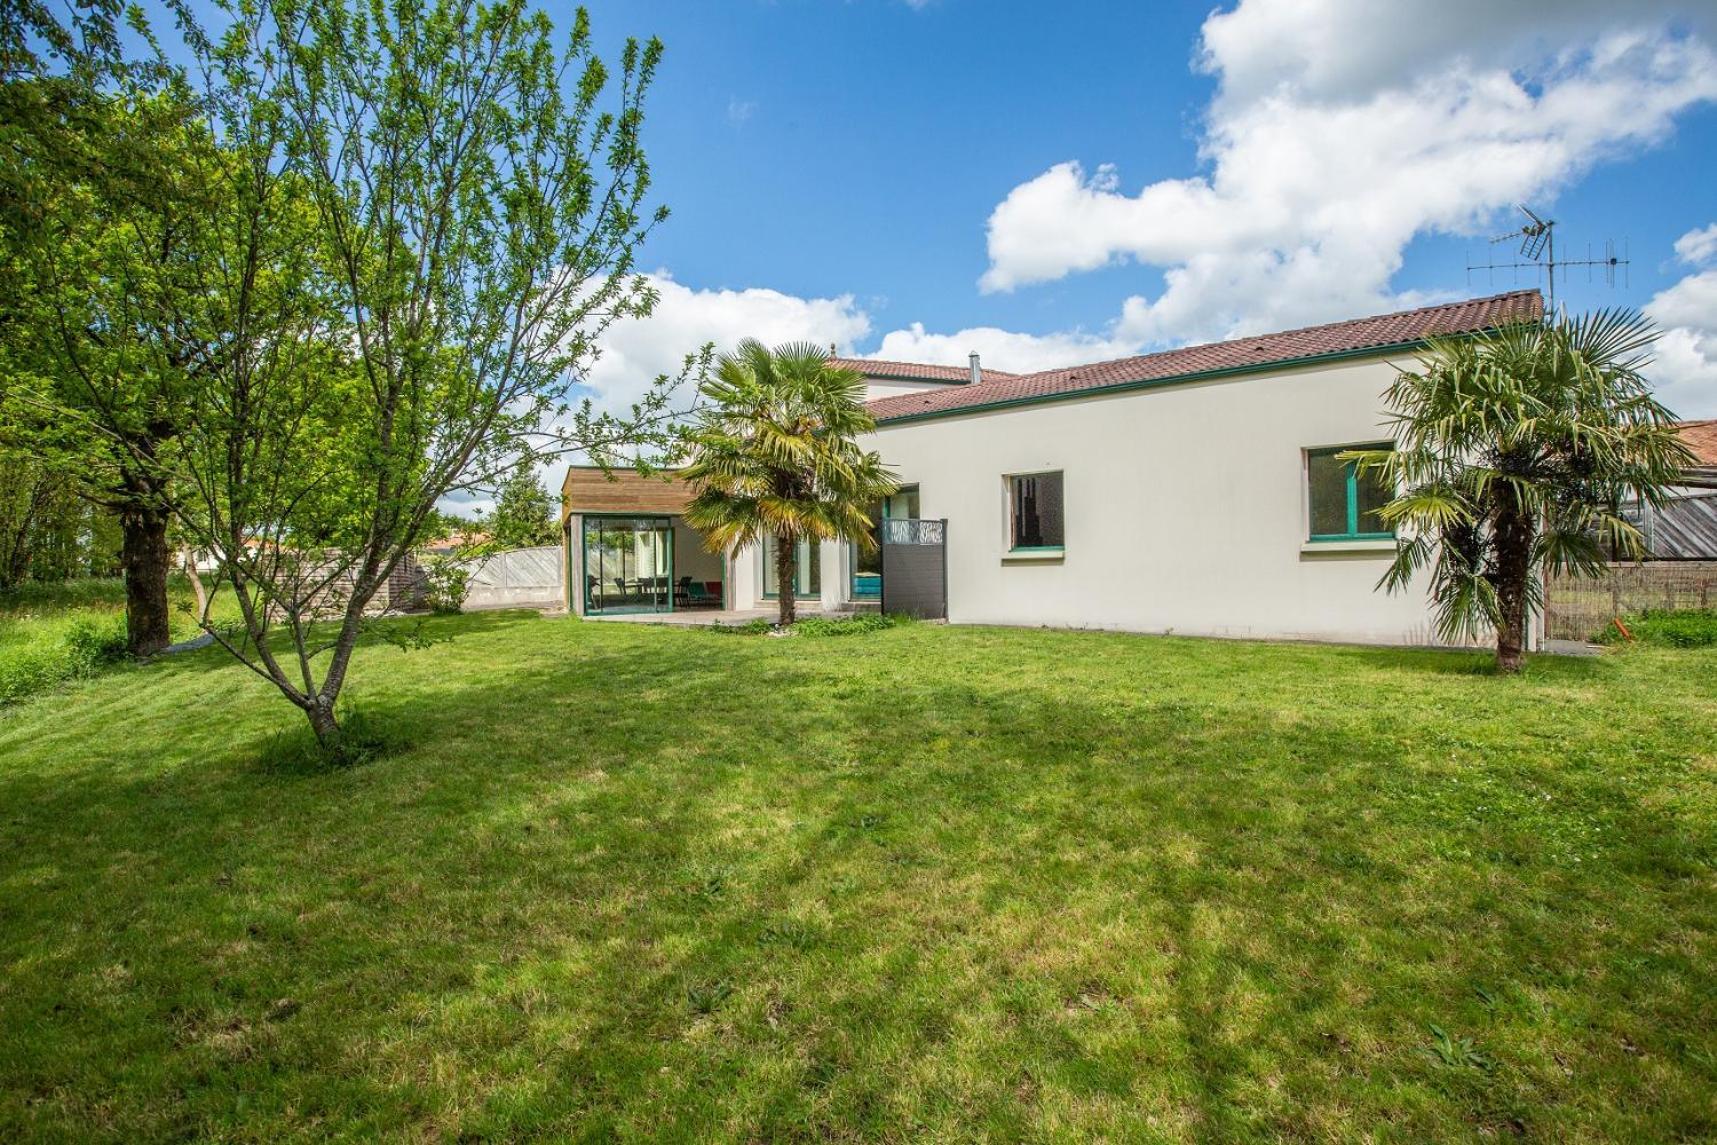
(1342, 503)
(1034, 512)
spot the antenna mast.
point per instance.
(1538, 254)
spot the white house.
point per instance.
(1193, 491)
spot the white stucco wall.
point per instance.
(875, 388)
(744, 578)
(1185, 509)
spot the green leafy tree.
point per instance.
(524, 514)
(90, 133)
(775, 454)
(1514, 453)
(30, 492)
(475, 194)
(106, 338)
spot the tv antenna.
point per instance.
(1537, 253)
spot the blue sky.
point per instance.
(1048, 185)
(826, 147)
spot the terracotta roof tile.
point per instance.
(1387, 330)
(1701, 438)
(917, 371)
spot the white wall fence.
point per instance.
(520, 578)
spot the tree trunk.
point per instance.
(197, 589)
(786, 577)
(326, 727)
(17, 547)
(144, 560)
(1513, 539)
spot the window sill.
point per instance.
(1054, 554)
(1355, 546)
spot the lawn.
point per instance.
(50, 633)
(630, 882)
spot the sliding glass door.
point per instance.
(628, 564)
(807, 575)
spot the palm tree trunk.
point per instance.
(786, 577)
(1514, 538)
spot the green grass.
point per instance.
(70, 630)
(923, 883)
(1674, 628)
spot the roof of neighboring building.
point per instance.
(1701, 438)
(458, 538)
(1682, 528)
(916, 371)
(1407, 328)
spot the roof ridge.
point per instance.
(1370, 334)
(1316, 327)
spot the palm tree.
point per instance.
(1514, 452)
(775, 455)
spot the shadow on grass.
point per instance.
(430, 628)
(866, 843)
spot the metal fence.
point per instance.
(519, 578)
(915, 567)
(1578, 608)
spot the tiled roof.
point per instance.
(916, 371)
(1357, 334)
(1701, 438)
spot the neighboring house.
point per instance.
(1193, 491)
(1684, 528)
(460, 540)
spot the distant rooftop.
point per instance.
(916, 371)
(1701, 438)
(1383, 332)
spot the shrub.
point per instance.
(817, 626)
(45, 652)
(446, 584)
(92, 641)
(859, 625)
(757, 627)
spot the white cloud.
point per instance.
(1335, 139)
(1000, 349)
(1685, 372)
(1696, 248)
(635, 352)
(740, 111)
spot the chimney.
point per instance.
(977, 371)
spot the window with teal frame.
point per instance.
(1342, 502)
(807, 571)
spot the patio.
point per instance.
(708, 618)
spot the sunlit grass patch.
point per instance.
(932, 883)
